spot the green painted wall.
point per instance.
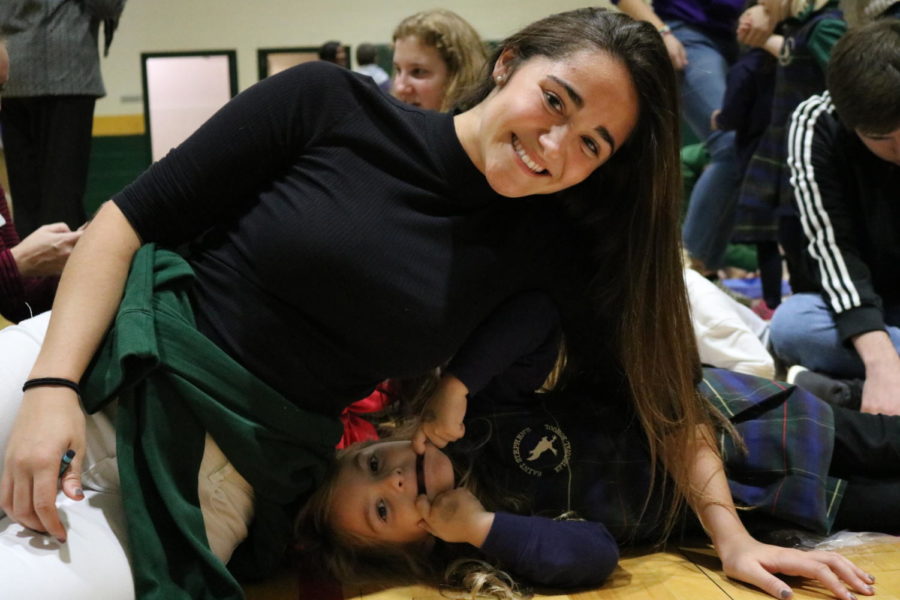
(115, 162)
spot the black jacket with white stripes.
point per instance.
(849, 205)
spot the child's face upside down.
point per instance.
(375, 491)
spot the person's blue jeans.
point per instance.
(709, 221)
(803, 332)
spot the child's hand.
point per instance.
(442, 417)
(755, 26)
(455, 516)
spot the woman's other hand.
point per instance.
(50, 422)
(755, 563)
(45, 251)
(455, 516)
(442, 418)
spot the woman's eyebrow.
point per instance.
(578, 101)
(570, 91)
(606, 135)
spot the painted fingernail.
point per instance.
(785, 594)
(852, 597)
(870, 589)
(61, 540)
(871, 578)
(79, 492)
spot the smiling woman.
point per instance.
(549, 124)
(563, 178)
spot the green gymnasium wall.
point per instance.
(115, 161)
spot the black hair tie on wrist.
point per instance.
(51, 381)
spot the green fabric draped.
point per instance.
(173, 385)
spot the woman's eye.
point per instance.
(419, 73)
(381, 509)
(554, 101)
(591, 146)
(373, 463)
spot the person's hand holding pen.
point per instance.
(49, 424)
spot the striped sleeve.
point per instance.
(826, 214)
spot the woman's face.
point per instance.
(376, 489)
(420, 74)
(550, 123)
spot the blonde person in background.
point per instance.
(438, 56)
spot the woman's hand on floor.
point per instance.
(755, 563)
(50, 422)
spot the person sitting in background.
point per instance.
(844, 156)
(438, 58)
(729, 335)
(365, 64)
(806, 31)
(333, 52)
(746, 110)
(28, 268)
(700, 39)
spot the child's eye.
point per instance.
(554, 101)
(381, 509)
(373, 463)
(591, 145)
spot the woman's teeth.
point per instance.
(517, 146)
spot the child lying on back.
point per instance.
(531, 461)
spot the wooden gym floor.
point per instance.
(681, 573)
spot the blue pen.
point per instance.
(66, 461)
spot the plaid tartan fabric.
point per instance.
(789, 437)
(765, 192)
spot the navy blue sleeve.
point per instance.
(565, 554)
(518, 342)
(741, 94)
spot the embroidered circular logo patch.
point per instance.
(542, 450)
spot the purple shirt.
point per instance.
(715, 16)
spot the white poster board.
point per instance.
(181, 92)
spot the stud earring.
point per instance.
(500, 79)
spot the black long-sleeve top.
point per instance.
(847, 199)
(346, 237)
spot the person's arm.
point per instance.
(642, 11)
(749, 560)
(566, 554)
(549, 552)
(515, 347)
(50, 420)
(842, 274)
(738, 98)
(881, 390)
